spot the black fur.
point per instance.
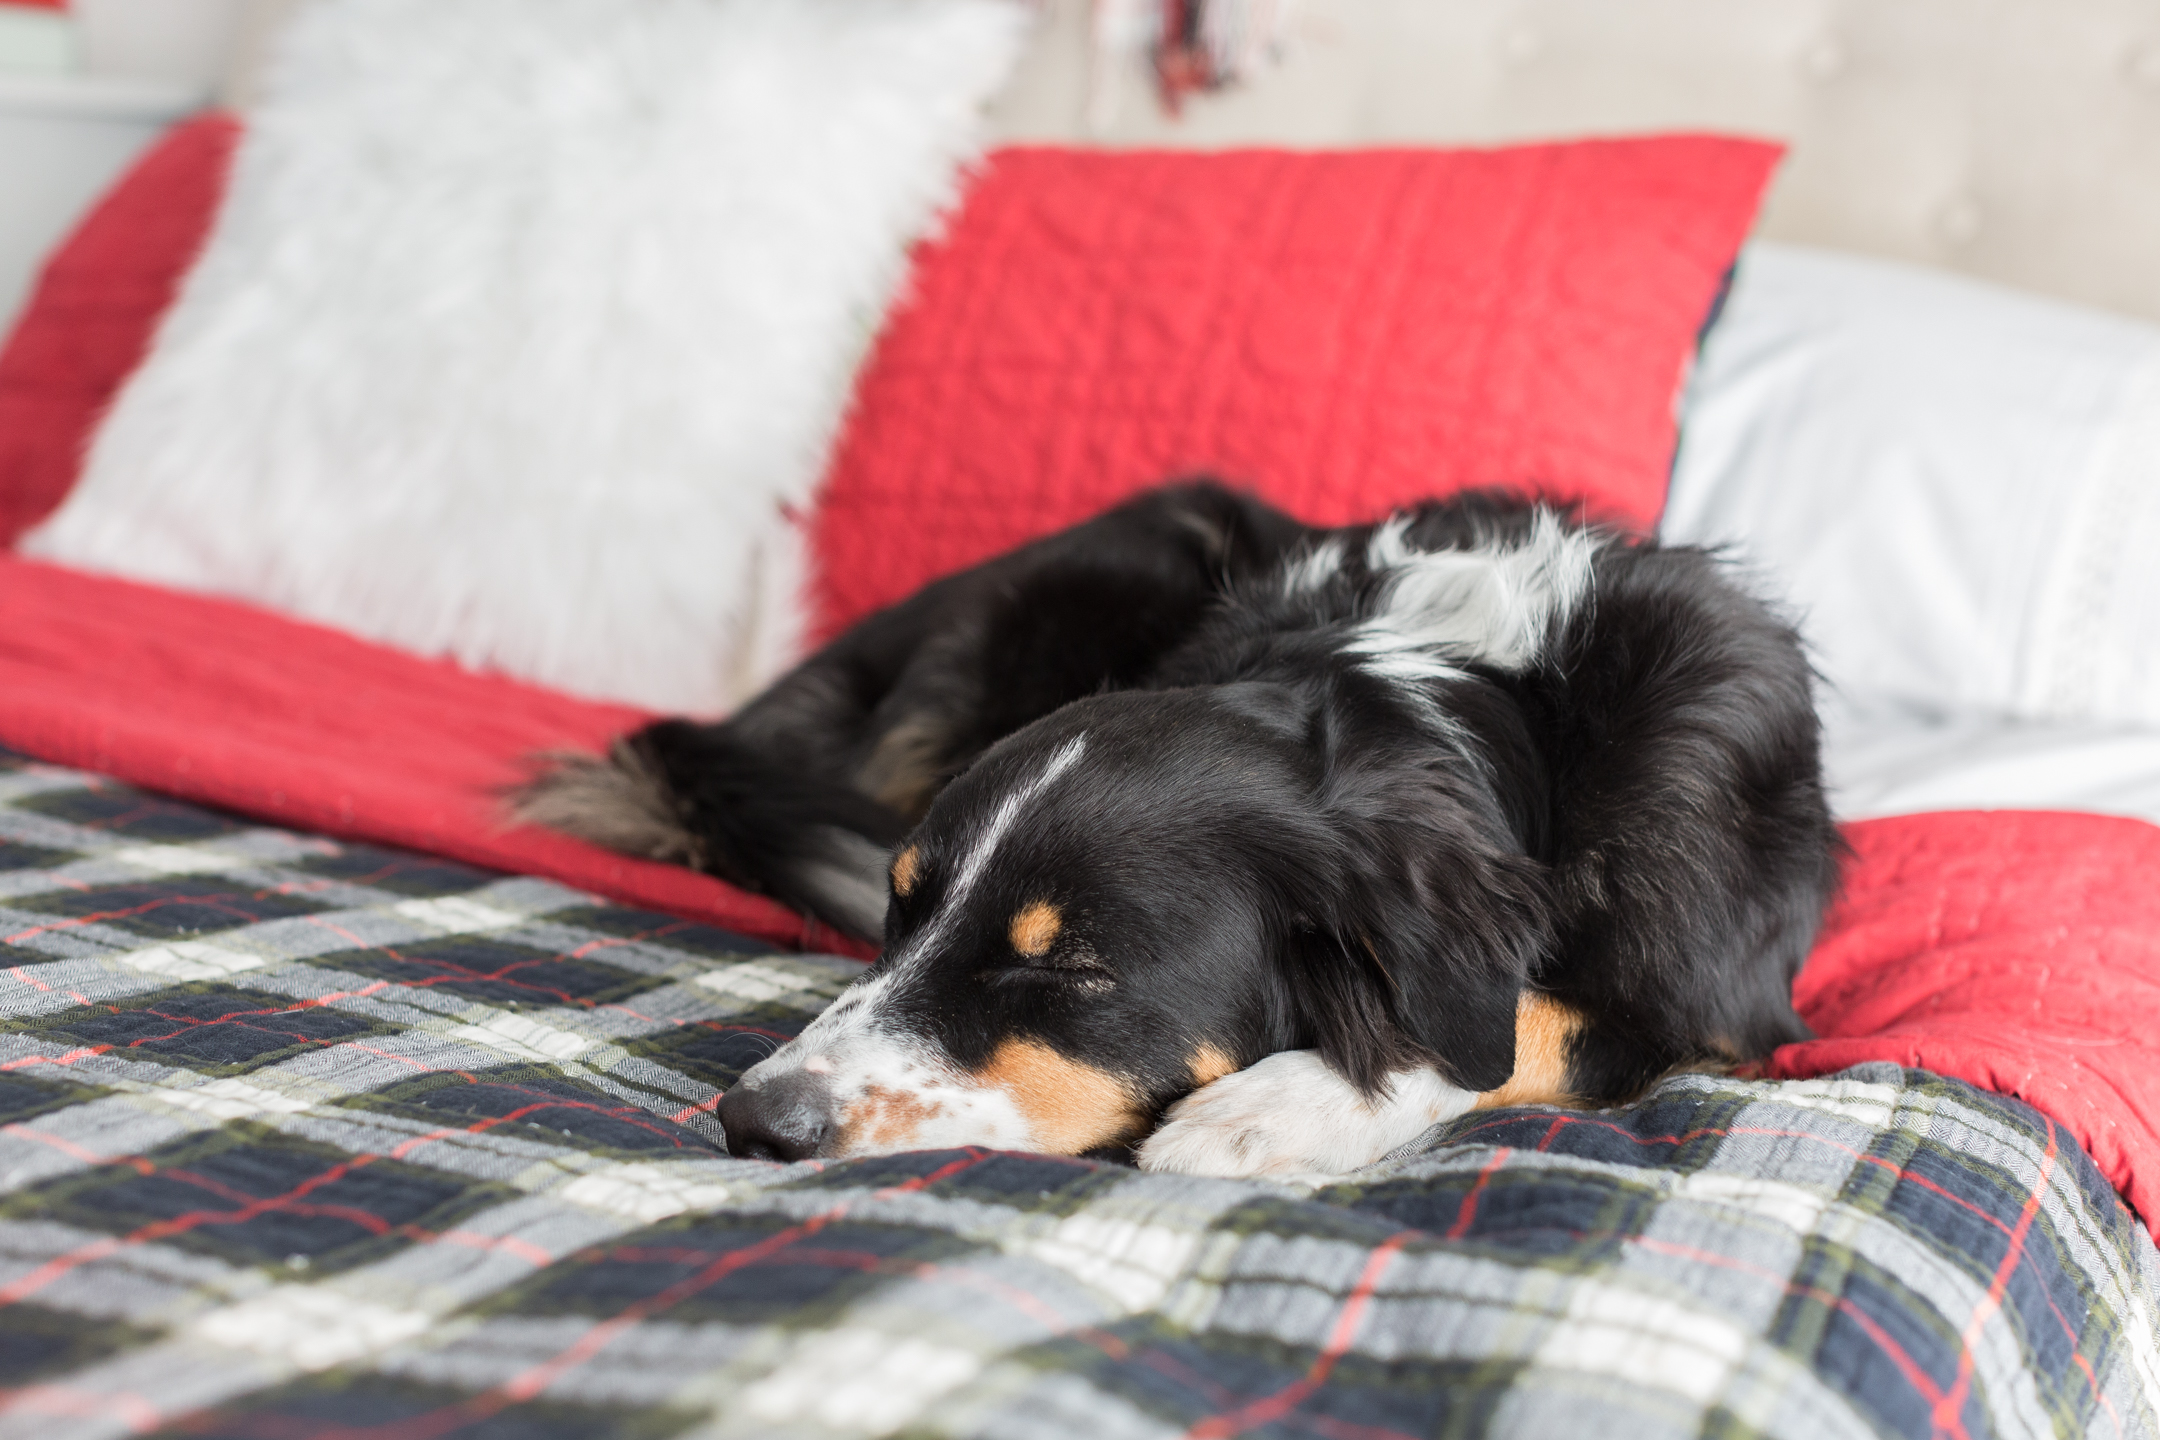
(1268, 842)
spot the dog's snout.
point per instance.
(786, 1118)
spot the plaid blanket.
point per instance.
(303, 1138)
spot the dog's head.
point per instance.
(1148, 890)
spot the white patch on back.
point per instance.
(1291, 1114)
(1313, 569)
(1494, 605)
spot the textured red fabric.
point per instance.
(2019, 951)
(1343, 331)
(90, 318)
(238, 707)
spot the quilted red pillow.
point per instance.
(90, 319)
(1344, 331)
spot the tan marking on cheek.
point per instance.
(884, 1119)
(1070, 1107)
(1209, 1064)
(1545, 1032)
(906, 870)
(1035, 929)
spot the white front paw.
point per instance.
(1291, 1114)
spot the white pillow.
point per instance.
(1957, 488)
(524, 322)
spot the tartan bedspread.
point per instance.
(303, 1138)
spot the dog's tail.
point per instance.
(697, 795)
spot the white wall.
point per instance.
(2018, 140)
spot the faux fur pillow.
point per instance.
(526, 322)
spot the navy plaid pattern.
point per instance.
(303, 1138)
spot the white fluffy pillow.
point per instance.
(525, 320)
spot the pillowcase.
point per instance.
(1957, 486)
(526, 321)
(1343, 332)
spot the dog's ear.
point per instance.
(1421, 948)
(1459, 938)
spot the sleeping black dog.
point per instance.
(1259, 846)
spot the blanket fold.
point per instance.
(237, 707)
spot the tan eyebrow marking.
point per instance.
(1209, 1064)
(1035, 929)
(1545, 1032)
(1070, 1107)
(906, 870)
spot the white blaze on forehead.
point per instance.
(893, 1091)
(977, 858)
(1495, 604)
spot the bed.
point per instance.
(330, 1104)
(310, 1138)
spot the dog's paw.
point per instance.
(1291, 1114)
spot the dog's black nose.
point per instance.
(786, 1118)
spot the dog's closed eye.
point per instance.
(1035, 933)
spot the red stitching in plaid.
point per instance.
(1861, 1155)
(86, 1052)
(1946, 1416)
(74, 1151)
(631, 1115)
(1283, 1401)
(537, 1378)
(1467, 1211)
(236, 1018)
(610, 942)
(143, 811)
(525, 1250)
(1025, 1302)
(53, 1269)
(1169, 1366)
(208, 902)
(457, 972)
(1907, 1366)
